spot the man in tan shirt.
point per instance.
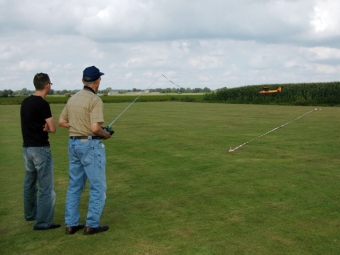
(83, 117)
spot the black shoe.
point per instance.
(91, 231)
(73, 229)
(53, 226)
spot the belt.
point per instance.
(85, 137)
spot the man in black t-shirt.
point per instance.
(36, 123)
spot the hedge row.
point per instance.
(115, 99)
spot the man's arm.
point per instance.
(49, 125)
(97, 130)
(63, 123)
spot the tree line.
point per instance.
(26, 92)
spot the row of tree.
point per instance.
(26, 92)
(181, 90)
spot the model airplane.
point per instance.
(267, 91)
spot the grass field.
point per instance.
(173, 187)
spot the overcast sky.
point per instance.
(195, 43)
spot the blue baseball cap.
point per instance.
(91, 73)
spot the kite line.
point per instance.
(238, 147)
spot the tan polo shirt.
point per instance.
(81, 110)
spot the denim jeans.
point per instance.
(87, 161)
(39, 168)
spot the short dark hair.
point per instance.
(40, 80)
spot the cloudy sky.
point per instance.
(195, 43)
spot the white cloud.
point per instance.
(327, 69)
(97, 54)
(205, 62)
(8, 52)
(30, 65)
(134, 62)
(326, 17)
(325, 53)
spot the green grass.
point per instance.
(173, 187)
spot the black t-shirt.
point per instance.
(33, 112)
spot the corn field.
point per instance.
(327, 93)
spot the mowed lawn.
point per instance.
(173, 187)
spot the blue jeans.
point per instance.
(87, 161)
(39, 168)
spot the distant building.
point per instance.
(138, 92)
(112, 92)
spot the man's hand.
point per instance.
(63, 123)
(49, 126)
(45, 127)
(108, 129)
(97, 130)
(106, 136)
